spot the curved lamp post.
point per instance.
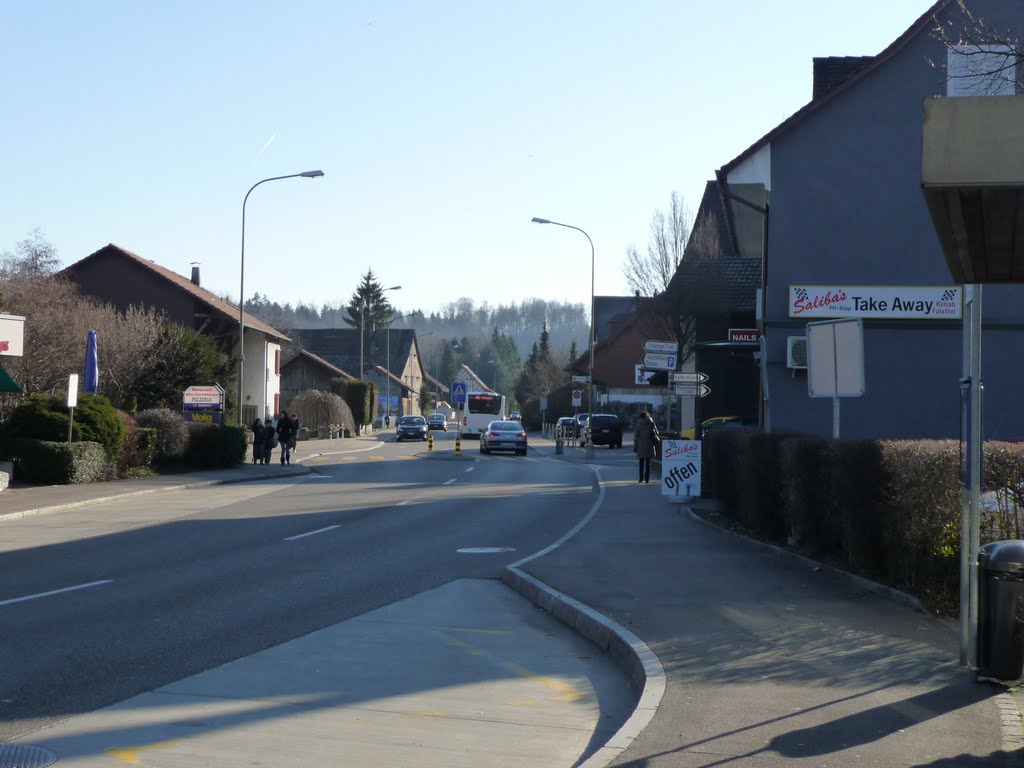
(241, 282)
(593, 321)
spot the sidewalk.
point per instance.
(768, 659)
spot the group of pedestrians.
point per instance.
(268, 436)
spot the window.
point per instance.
(981, 70)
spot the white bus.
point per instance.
(479, 410)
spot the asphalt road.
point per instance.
(106, 602)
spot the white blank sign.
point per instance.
(835, 358)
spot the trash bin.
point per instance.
(1001, 610)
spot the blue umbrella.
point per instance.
(91, 379)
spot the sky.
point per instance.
(442, 129)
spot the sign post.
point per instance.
(835, 362)
(72, 401)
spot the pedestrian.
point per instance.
(387, 420)
(284, 437)
(645, 444)
(270, 442)
(259, 437)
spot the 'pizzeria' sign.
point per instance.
(915, 302)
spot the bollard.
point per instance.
(558, 446)
(430, 442)
(458, 447)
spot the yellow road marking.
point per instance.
(130, 755)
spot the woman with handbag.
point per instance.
(645, 444)
(259, 437)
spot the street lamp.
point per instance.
(362, 327)
(241, 281)
(593, 320)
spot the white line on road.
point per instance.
(470, 469)
(312, 533)
(448, 482)
(403, 503)
(55, 592)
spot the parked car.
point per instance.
(411, 428)
(437, 421)
(603, 429)
(581, 424)
(715, 421)
(504, 436)
(567, 427)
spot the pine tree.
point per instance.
(370, 302)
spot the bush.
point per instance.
(810, 513)
(317, 410)
(760, 485)
(215, 447)
(722, 458)
(57, 463)
(361, 396)
(45, 417)
(864, 505)
(139, 446)
(172, 437)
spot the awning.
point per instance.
(7, 384)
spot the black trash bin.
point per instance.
(1001, 610)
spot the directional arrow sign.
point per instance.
(691, 378)
(660, 362)
(693, 389)
(584, 379)
(668, 347)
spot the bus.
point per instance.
(480, 409)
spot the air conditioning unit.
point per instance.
(796, 352)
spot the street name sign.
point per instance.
(668, 347)
(582, 379)
(660, 361)
(692, 389)
(689, 378)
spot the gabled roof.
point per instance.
(466, 371)
(340, 346)
(381, 370)
(309, 356)
(814, 105)
(210, 299)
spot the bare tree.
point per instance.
(982, 58)
(34, 256)
(650, 273)
(698, 287)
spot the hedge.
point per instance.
(57, 463)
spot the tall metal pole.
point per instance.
(241, 282)
(976, 448)
(593, 321)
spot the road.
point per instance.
(104, 603)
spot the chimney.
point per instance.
(195, 272)
(832, 71)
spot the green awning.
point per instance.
(7, 384)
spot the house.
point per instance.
(305, 371)
(837, 188)
(124, 279)
(390, 359)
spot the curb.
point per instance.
(299, 471)
(627, 650)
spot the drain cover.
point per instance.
(19, 756)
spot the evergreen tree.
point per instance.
(573, 352)
(369, 301)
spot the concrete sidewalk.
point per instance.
(744, 655)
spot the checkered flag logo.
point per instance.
(949, 295)
(801, 293)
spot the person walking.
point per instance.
(645, 444)
(270, 440)
(259, 437)
(284, 437)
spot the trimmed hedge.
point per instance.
(57, 463)
(171, 431)
(216, 447)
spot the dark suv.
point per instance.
(604, 429)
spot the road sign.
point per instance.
(581, 379)
(692, 389)
(204, 395)
(668, 347)
(660, 362)
(689, 378)
(459, 392)
(577, 397)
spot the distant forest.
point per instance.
(461, 319)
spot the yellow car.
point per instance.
(688, 434)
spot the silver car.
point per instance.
(504, 436)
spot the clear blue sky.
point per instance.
(442, 128)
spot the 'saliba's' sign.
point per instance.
(885, 302)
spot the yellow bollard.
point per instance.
(430, 442)
(458, 447)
